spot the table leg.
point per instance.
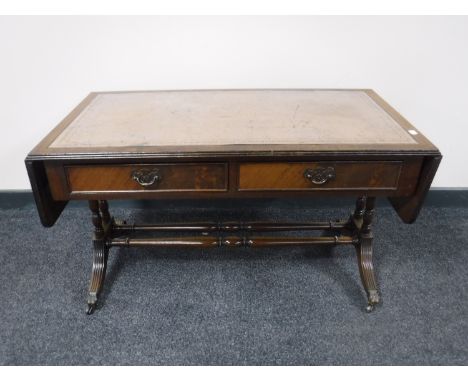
(364, 254)
(101, 221)
(356, 231)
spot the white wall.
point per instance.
(48, 64)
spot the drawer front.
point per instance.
(147, 177)
(319, 176)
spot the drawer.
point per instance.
(147, 177)
(320, 175)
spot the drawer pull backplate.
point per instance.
(146, 178)
(320, 175)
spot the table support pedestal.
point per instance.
(356, 231)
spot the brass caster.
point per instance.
(91, 308)
(370, 308)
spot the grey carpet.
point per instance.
(282, 306)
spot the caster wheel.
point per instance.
(370, 308)
(91, 308)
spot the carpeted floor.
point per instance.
(282, 306)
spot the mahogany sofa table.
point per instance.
(232, 144)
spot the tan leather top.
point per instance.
(220, 117)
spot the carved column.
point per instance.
(360, 207)
(105, 215)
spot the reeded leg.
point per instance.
(364, 254)
(101, 220)
(98, 273)
(366, 270)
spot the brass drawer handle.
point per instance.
(320, 175)
(146, 178)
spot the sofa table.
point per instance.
(232, 144)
